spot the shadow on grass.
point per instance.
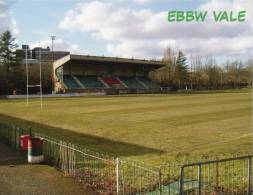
(10, 156)
(98, 144)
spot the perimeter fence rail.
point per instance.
(231, 176)
(109, 175)
(102, 173)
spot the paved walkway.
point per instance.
(19, 178)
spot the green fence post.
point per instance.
(181, 188)
(160, 181)
(15, 137)
(30, 131)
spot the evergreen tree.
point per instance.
(8, 58)
(182, 75)
(7, 49)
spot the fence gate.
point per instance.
(218, 177)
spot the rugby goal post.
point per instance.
(27, 79)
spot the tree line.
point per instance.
(198, 73)
(202, 73)
(13, 71)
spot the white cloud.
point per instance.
(145, 33)
(143, 1)
(59, 45)
(139, 49)
(147, 1)
(105, 21)
(6, 20)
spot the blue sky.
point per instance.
(47, 14)
(127, 28)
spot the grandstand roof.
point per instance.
(105, 60)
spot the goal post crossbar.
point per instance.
(33, 85)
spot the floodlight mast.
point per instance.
(53, 38)
(41, 105)
(191, 72)
(27, 78)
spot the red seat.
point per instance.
(111, 80)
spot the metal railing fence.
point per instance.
(92, 169)
(221, 176)
(109, 175)
(104, 174)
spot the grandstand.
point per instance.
(82, 73)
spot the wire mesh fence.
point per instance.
(109, 175)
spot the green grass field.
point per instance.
(150, 128)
